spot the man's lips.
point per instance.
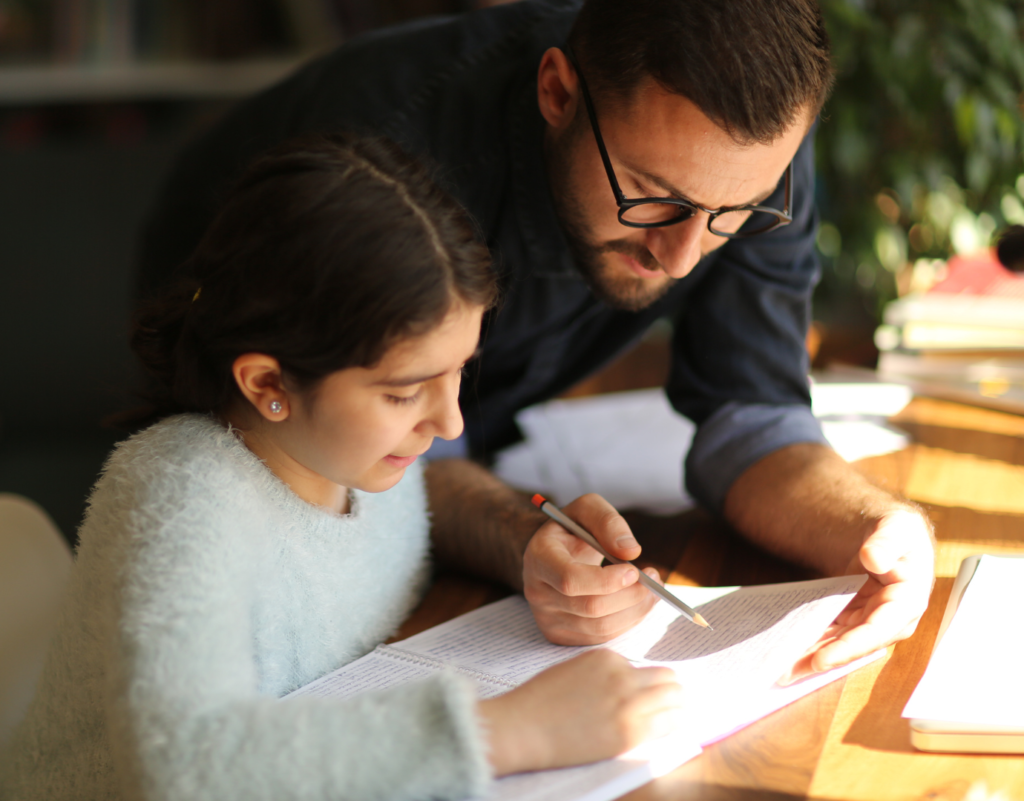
(638, 269)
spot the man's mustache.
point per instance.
(634, 251)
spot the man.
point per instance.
(707, 109)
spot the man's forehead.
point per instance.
(668, 141)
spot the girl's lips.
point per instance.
(639, 269)
(400, 461)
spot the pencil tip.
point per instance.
(702, 622)
(538, 500)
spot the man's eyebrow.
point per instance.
(680, 195)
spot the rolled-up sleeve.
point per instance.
(737, 436)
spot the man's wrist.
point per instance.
(480, 525)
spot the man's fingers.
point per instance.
(889, 622)
(574, 600)
(588, 604)
(573, 578)
(564, 628)
(607, 526)
(900, 548)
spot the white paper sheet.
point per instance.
(975, 673)
(629, 447)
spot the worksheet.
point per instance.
(759, 632)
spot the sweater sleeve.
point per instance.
(185, 715)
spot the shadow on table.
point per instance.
(880, 725)
(666, 789)
(698, 548)
(986, 444)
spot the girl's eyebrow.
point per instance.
(408, 382)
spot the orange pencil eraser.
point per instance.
(538, 500)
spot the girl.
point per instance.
(258, 535)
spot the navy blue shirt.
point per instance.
(461, 92)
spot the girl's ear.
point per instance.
(259, 379)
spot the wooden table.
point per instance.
(847, 741)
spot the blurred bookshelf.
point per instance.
(51, 84)
(87, 51)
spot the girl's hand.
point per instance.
(591, 707)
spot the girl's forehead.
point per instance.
(452, 341)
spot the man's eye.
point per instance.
(641, 190)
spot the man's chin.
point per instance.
(630, 294)
(621, 289)
(617, 278)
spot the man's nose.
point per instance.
(678, 247)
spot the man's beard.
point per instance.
(625, 292)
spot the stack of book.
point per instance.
(963, 339)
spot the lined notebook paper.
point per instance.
(759, 633)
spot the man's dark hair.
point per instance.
(329, 250)
(749, 65)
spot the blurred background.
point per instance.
(919, 166)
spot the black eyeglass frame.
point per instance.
(783, 217)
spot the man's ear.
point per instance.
(557, 89)
(259, 379)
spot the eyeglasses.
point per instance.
(657, 212)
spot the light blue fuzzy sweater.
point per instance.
(204, 590)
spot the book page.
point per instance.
(599, 781)
(974, 674)
(371, 672)
(388, 666)
(501, 639)
(776, 622)
(759, 632)
(382, 668)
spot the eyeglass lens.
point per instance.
(728, 222)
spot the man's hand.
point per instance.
(574, 600)
(805, 503)
(899, 558)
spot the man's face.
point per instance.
(660, 145)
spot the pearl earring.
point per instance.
(275, 406)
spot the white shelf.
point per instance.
(169, 81)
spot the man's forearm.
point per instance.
(479, 524)
(805, 503)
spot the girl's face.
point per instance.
(362, 427)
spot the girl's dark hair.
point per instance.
(327, 251)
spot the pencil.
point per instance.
(573, 527)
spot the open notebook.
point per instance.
(759, 633)
(970, 698)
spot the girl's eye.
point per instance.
(400, 400)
